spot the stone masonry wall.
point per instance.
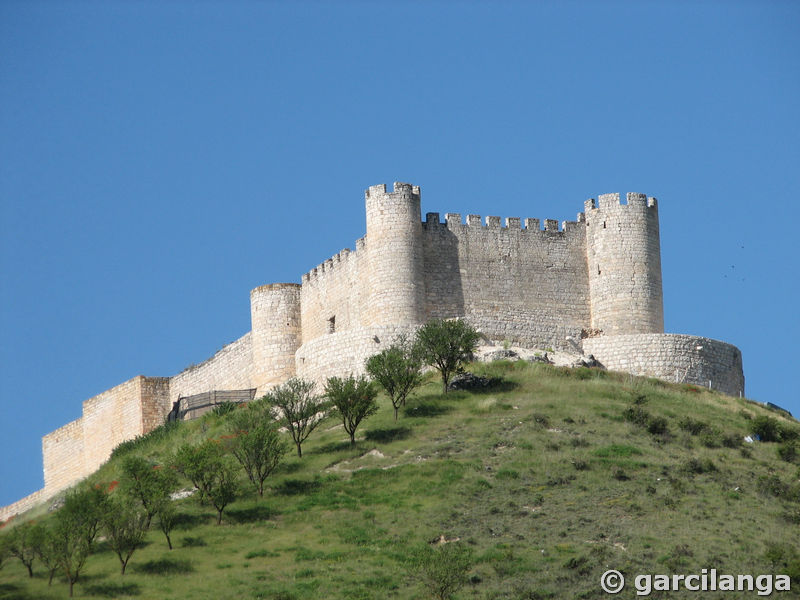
(522, 284)
(228, 369)
(624, 264)
(62, 454)
(108, 420)
(344, 352)
(336, 289)
(20, 506)
(672, 357)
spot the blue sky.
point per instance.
(160, 159)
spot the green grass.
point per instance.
(542, 477)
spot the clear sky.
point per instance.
(160, 159)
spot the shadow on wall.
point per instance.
(444, 294)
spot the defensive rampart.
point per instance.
(673, 357)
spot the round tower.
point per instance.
(275, 335)
(394, 247)
(624, 258)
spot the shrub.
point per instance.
(788, 451)
(658, 426)
(692, 426)
(698, 466)
(224, 408)
(637, 415)
(732, 440)
(773, 485)
(443, 570)
(766, 428)
(711, 438)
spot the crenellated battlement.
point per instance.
(614, 200)
(489, 223)
(336, 262)
(397, 188)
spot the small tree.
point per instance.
(210, 470)
(446, 345)
(22, 544)
(354, 400)
(255, 442)
(444, 570)
(125, 527)
(4, 541)
(397, 370)
(45, 548)
(148, 484)
(299, 408)
(74, 529)
(166, 519)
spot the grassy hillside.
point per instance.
(550, 477)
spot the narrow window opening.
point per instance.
(332, 324)
(598, 269)
(604, 224)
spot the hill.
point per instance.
(550, 476)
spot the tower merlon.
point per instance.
(512, 222)
(432, 218)
(452, 219)
(551, 224)
(532, 224)
(493, 222)
(474, 221)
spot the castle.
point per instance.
(593, 284)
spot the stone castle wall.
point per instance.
(334, 295)
(516, 282)
(229, 369)
(673, 357)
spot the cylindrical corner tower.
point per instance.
(624, 260)
(394, 247)
(275, 335)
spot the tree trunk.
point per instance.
(169, 541)
(444, 384)
(124, 564)
(219, 517)
(71, 583)
(50, 581)
(30, 568)
(299, 452)
(353, 438)
(395, 413)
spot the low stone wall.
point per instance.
(228, 369)
(343, 352)
(20, 506)
(672, 357)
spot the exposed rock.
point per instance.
(501, 355)
(540, 358)
(470, 381)
(588, 361)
